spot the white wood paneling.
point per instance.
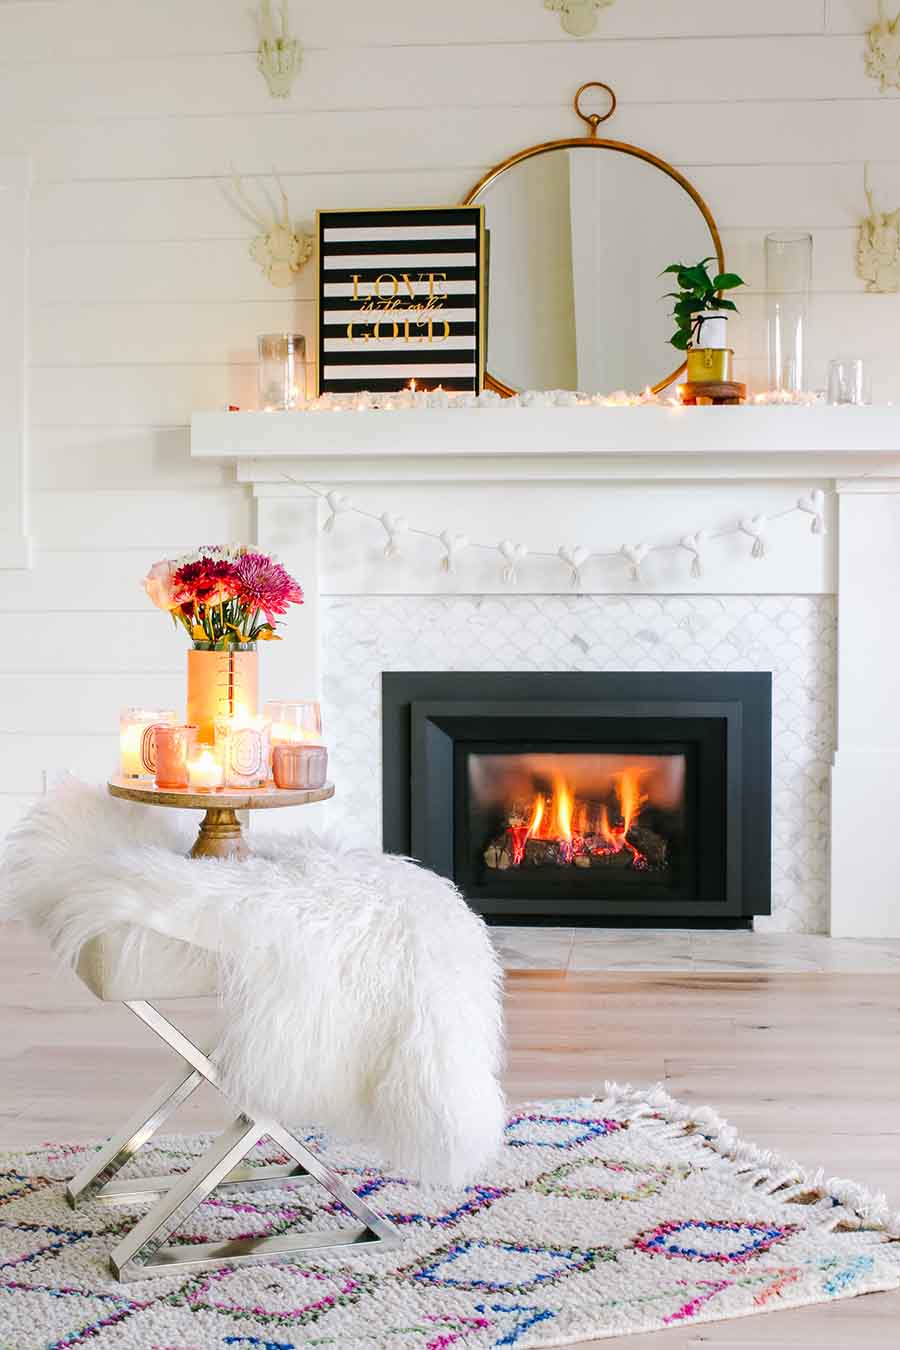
(94, 29)
(146, 304)
(15, 186)
(796, 67)
(97, 521)
(693, 132)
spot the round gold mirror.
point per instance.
(577, 242)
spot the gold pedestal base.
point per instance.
(221, 836)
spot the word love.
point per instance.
(397, 302)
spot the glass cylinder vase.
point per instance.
(788, 280)
(220, 683)
(281, 371)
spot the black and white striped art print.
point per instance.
(400, 299)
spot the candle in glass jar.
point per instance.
(206, 772)
(244, 745)
(174, 747)
(137, 739)
(299, 766)
(295, 722)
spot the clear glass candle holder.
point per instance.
(175, 745)
(137, 739)
(244, 748)
(281, 371)
(848, 382)
(295, 721)
(206, 770)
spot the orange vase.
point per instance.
(220, 684)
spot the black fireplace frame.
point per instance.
(428, 716)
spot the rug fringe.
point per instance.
(835, 1202)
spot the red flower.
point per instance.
(260, 583)
(208, 581)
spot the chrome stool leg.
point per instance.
(145, 1251)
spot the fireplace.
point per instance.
(585, 798)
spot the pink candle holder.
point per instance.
(174, 747)
(299, 767)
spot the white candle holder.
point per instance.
(137, 739)
(244, 747)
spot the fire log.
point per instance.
(648, 842)
(498, 854)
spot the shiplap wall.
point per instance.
(146, 305)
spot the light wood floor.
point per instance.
(803, 1063)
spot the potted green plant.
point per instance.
(701, 317)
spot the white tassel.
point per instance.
(696, 544)
(756, 527)
(635, 554)
(575, 559)
(337, 503)
(814, 505)
(454, 545)
(513, 555)
(394, 526)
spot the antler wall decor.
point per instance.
(878, 246)
(279, 54)
(883, 54)
(279, 248)
(578, 17)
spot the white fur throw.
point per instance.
(359, 990)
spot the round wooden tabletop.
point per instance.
(226, 799)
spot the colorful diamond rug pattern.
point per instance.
(601, 1217)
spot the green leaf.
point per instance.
(674, 267)
(689, 306)
(726, 281)
(681, 340)
(724, 304)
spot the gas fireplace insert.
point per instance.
(585, 798)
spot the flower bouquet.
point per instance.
(226, 599)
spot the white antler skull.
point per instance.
(279, 248)
(578, 17)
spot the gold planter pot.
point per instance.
(710, 365)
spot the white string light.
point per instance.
(574, 557)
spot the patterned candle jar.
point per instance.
(137, 739)
(244, 743)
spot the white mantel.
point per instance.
(602, 476)
(548, 442)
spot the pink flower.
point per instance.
(159, 583)
(263, 584)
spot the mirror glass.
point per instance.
(578, 237)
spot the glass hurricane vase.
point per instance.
(788, 280)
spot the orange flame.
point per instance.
(631, 799)
(560, 817)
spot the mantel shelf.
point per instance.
(541, 443)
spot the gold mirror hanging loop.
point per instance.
(594, 119)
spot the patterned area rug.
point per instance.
(602, 1216)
